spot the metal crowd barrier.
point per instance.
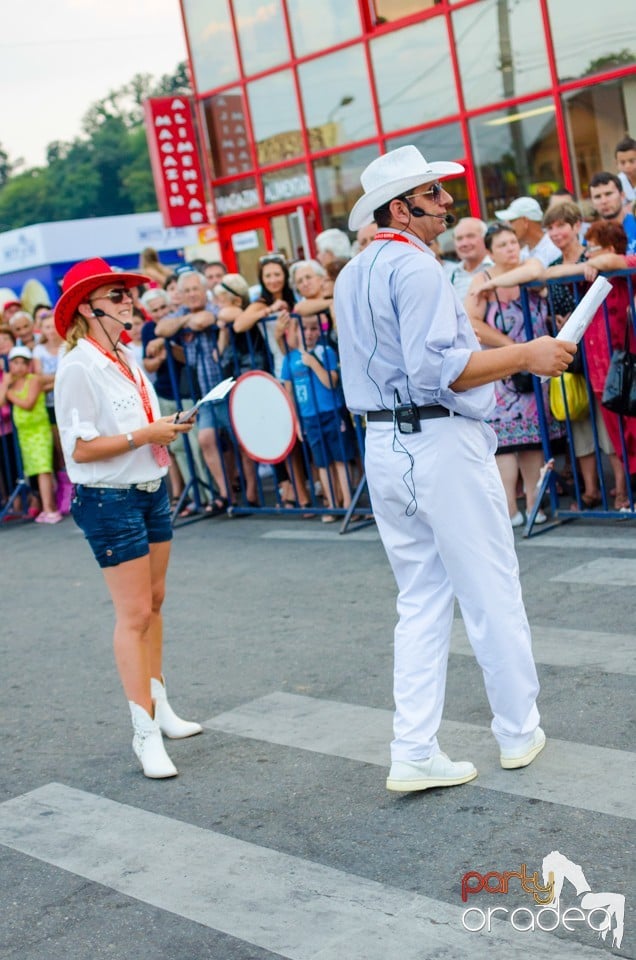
(261, 354)
(565, 493)
(14, 487)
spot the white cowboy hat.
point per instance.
(393, 174)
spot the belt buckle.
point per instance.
(150, 486)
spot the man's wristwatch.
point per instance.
(131, 441)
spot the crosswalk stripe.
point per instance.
(548, 540)
(363, 733)
(551, 539)
(608, 571)
(296, 908)
(561, 647)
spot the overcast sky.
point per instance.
(60, 56)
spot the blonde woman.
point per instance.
(114, 443)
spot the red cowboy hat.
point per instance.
(81, 280)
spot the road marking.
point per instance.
(292, 907)
(609, 571)
(317, 534)
(560, 647)
(573, 774)
(550, 539)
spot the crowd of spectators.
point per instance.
(194, 327)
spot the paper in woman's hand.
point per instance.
(215, 394)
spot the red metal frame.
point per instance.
(554, 92)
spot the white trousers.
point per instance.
(441, 512)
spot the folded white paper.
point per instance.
(582, 315)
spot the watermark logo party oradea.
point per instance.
(602, 912)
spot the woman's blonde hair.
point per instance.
(77, 331)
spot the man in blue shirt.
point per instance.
(411, 362)
(608, 199)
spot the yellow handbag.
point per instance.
(569, 387)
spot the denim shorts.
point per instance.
(120, 524)
(214, 416)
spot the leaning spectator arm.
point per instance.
(168, 326)
(307, 308)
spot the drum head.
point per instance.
(263, 417)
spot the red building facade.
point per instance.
(295, 97)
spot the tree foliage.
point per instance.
(104, 172)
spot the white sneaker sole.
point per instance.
(514, 763)
(427, 783)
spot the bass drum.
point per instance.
(263, 417)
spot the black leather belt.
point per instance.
(430, 412)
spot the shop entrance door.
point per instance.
(245, 240)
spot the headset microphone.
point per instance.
(448, 218)
(101, 313)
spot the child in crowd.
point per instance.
(8, 466)
(310, 374)
(24, 391)
(626, 166)
(46, 356)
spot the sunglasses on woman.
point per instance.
(115, 296)
(272, 258)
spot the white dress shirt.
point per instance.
(93, 398)
(402, 327)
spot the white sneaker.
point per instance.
(437, 771)
(518, 519)
(522, 756)
(540, 517)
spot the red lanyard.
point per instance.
(140, 386)
(398, 237)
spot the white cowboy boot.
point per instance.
(169, 723)
(148, 745)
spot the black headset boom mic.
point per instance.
(448, 218)
(101, 313)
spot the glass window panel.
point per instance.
(589, 40)
(337, 99)
(413, 75)
(388, 10)
(211, 43)
(597, 117)
(275, 120)
(501, 50)
(318, 24)
(262, 34)
(236, 197)
(338, 184)
(516, 153)
(437, 143)
(287, 184)
(226, 133)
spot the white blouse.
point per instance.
(93, 398)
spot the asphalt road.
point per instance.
(278, 838)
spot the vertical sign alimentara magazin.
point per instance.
(175, 162)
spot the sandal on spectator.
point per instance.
(218, 506)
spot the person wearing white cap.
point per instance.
(525, 216)
(412, 363)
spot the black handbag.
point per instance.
(619, 393)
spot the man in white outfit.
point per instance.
(412, 364)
